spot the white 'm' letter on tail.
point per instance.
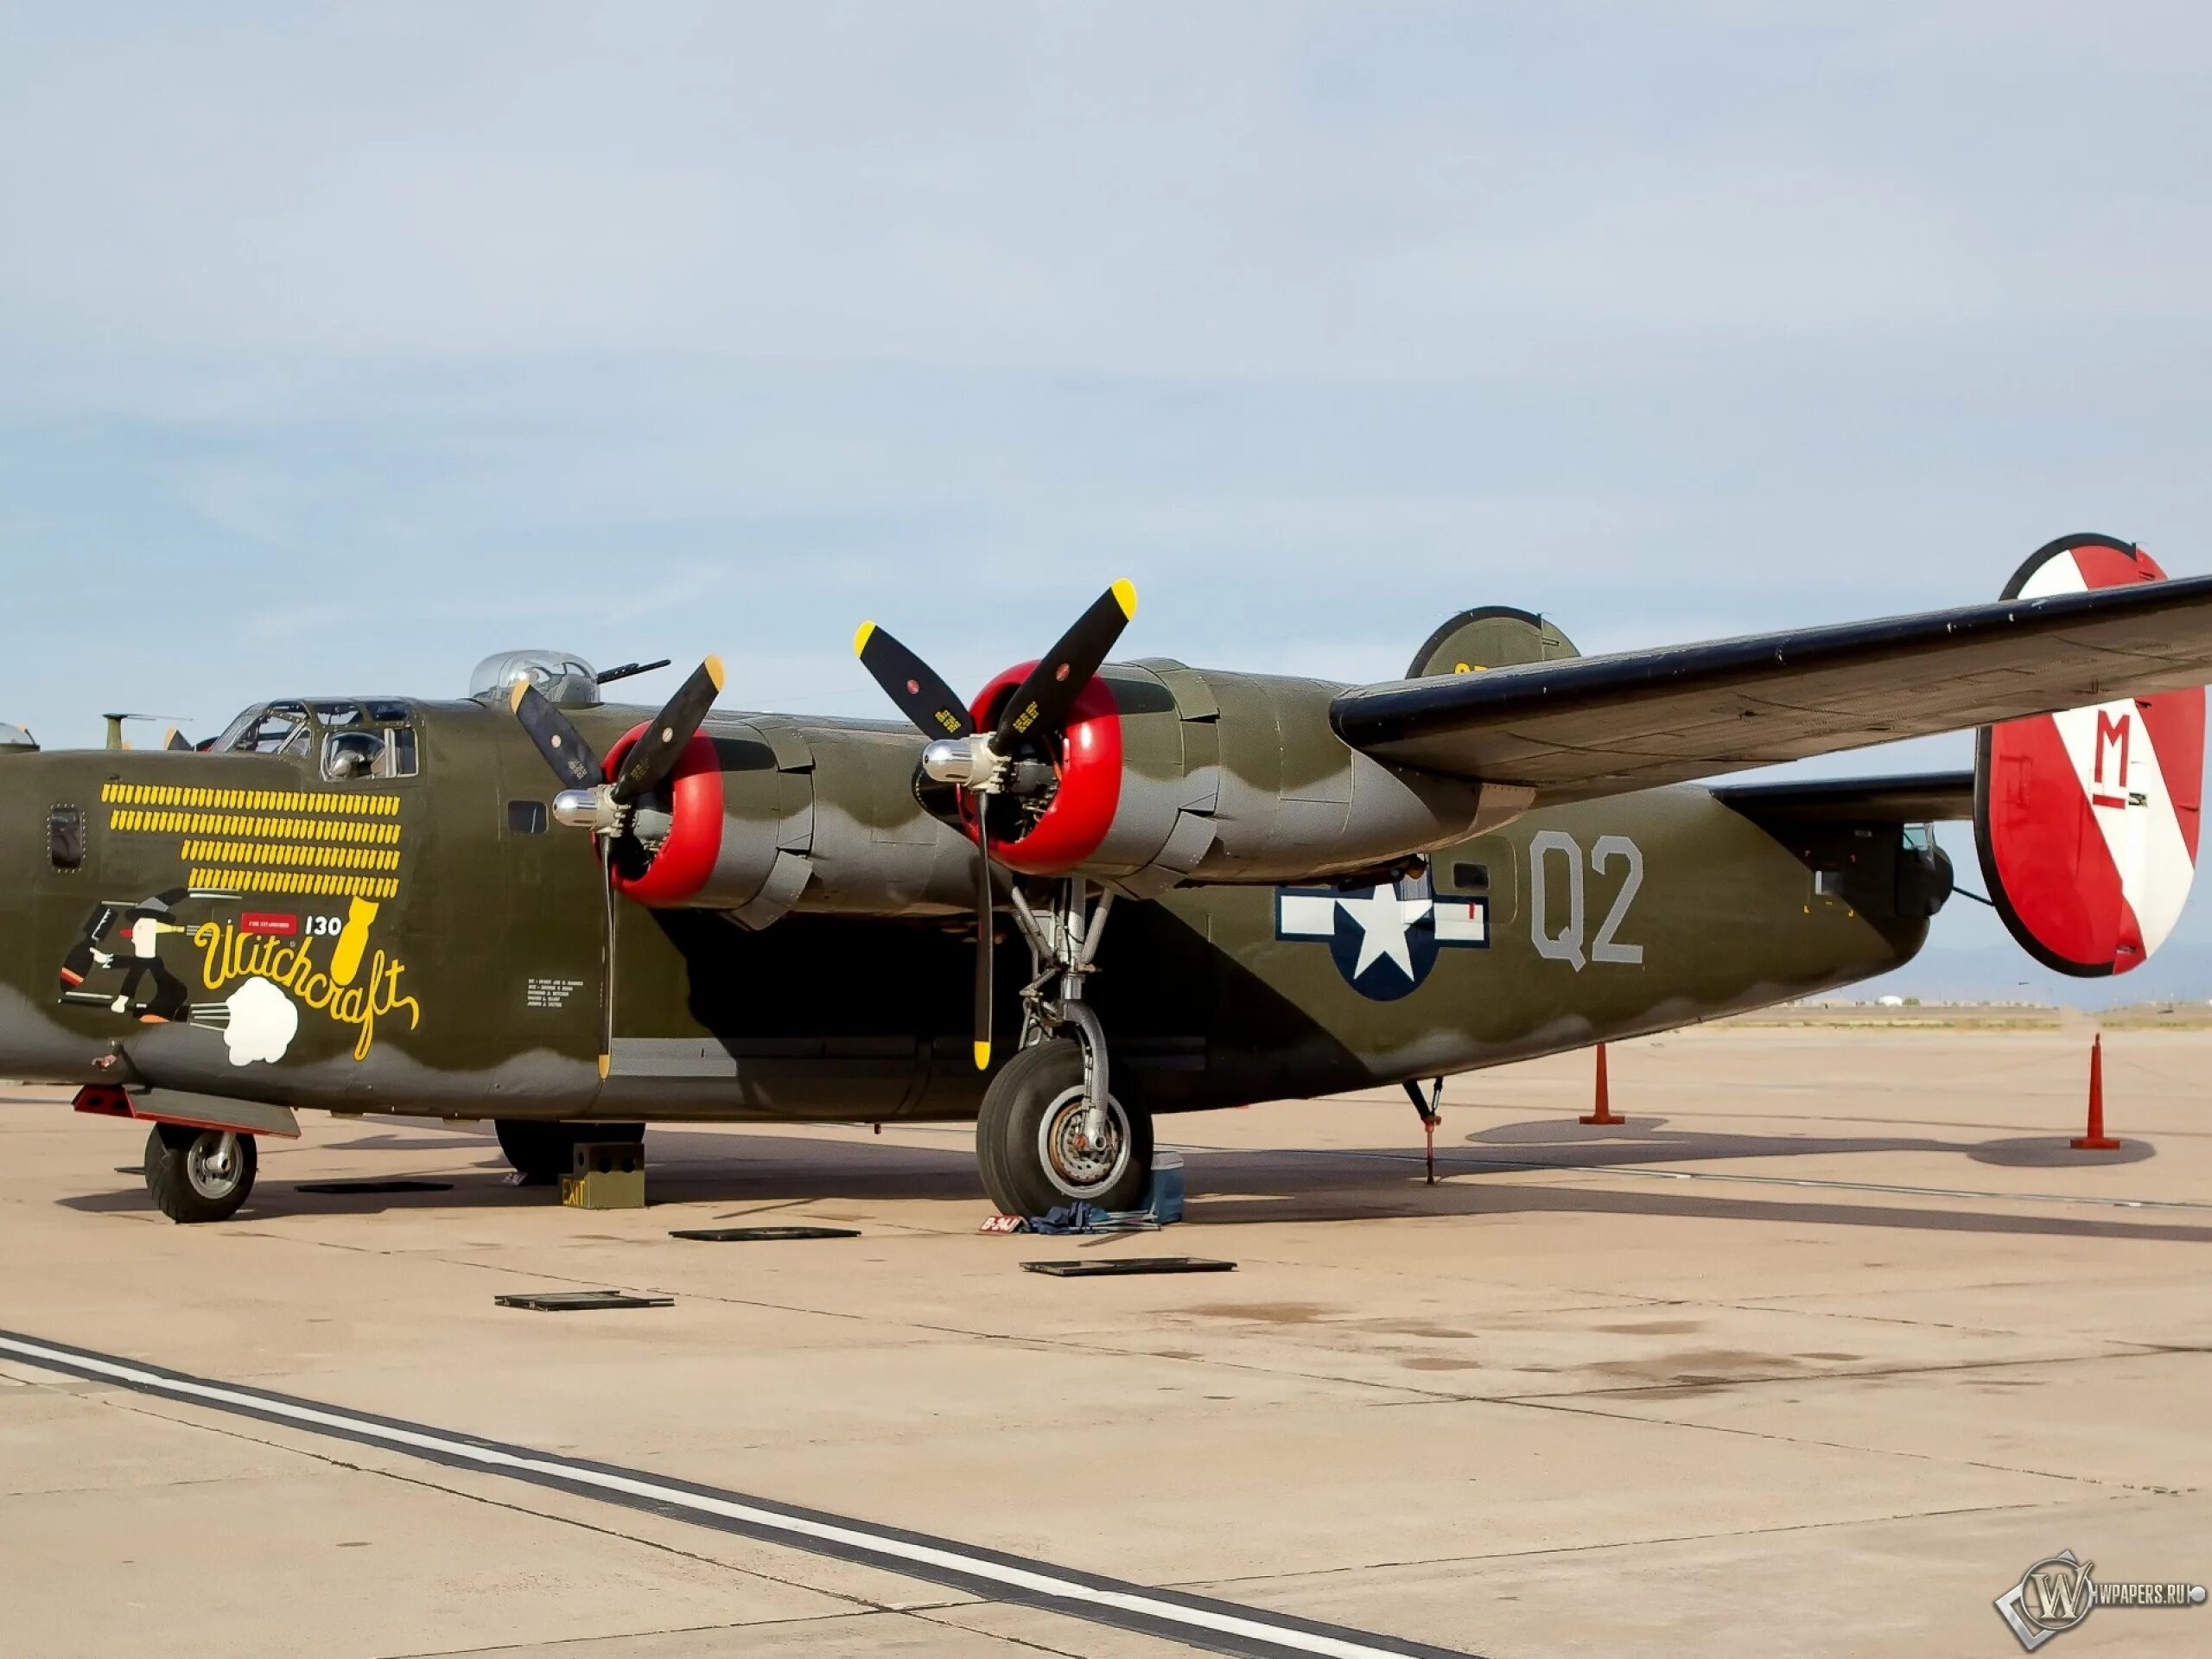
(2087, 819)
(2112, 735)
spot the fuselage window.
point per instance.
(64, 837)
(526, 817)
(1470, 878)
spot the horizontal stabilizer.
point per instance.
(1911, 798)
(1594, 726)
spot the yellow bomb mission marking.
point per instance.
(232, 955)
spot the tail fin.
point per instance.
(1489, 636)
(2087, 820)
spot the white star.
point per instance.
(1382, 918)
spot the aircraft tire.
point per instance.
(1027, 1148)
(196, 1175)
(543, 1151)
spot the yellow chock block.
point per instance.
(606, 1175)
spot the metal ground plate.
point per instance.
(1121, 1267)
(571, 1301)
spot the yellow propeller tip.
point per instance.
(714, 667)
(515, 694)
(861, 636)
(1125, 595)
(603, 1064)
(982, 1056)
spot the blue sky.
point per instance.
(339, 348)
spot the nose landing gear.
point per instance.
(196, 1174)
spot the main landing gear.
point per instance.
(197, 1174)
(1052, 1130)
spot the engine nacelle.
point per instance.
(1166, 774)
(1170, 773)
(766, 815)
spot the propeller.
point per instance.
(1017, 757)
(655, 754)
(592, 802)
(589, 802)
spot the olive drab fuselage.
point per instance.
(241, 925)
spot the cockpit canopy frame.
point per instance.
(353, 737)
(562, 678)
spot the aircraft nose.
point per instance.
(34, 1044)
(34, 1047)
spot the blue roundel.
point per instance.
(1383, 938)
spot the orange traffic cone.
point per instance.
(1605, 1112)
(2096, 1140)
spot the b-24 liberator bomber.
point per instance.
(1166, 887)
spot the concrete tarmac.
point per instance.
(1814, 1355)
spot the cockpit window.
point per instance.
(369, 751)
(359, 740)
(351, 754)
(274, 728)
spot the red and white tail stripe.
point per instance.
(2087, 819)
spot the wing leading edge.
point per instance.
(1593, 725)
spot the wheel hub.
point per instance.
(1080, 1166)
(211, 1163)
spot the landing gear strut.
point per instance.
(196, 1174)
(1432, 1114)
(1051, 1131)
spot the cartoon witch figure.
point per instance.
(128, 938)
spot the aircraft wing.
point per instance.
(1593, 725)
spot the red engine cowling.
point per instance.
(685, 860)
(1074, 827)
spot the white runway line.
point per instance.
(1221, 1627)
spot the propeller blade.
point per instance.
(606, 937)
(563, 747)
(984, 949)
(922, 696)
(1043, 699)
(655, 754)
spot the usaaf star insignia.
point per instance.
(1383, 939)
